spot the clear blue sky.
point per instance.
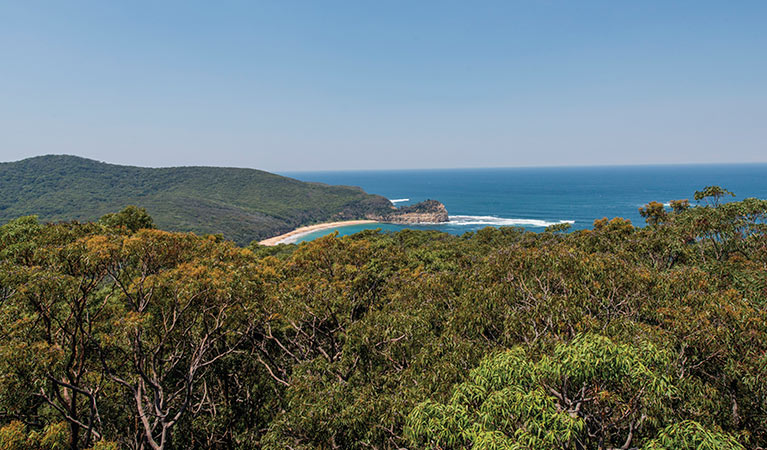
(301, 85)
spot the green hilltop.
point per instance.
(241, 204)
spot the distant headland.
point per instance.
(429, 211)
(243, 205)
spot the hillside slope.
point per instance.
(242, 204)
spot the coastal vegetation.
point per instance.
(116, 334)
(241, 204)
(428, 211)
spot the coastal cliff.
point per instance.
(429, 211)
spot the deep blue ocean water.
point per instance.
(537, 197)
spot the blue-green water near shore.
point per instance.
(537, 197)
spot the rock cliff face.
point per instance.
(429, 211)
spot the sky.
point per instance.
(293, 85)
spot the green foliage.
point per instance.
(503, 405)
(132, 218)
(653, 212)
(679, 206)
(614, 337)
(712, 194)
(16, 436)
(690, 435)
(17, 237)
(559, 227)
(242, 204)
(588, 387)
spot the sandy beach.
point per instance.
(294, 235)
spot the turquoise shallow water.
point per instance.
(536, 197)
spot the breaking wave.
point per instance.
(500, 221)
(399, 200)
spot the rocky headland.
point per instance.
(429, 211)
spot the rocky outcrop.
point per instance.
(429, 211)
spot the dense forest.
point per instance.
(241, 204)
(116, 334)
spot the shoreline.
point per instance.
(291, 236)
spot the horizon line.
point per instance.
(542, 166)
(413, 169)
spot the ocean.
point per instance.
(534, 198)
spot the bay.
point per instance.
(536, 197)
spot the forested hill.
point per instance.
(242, 204)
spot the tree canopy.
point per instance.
(119, 335)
